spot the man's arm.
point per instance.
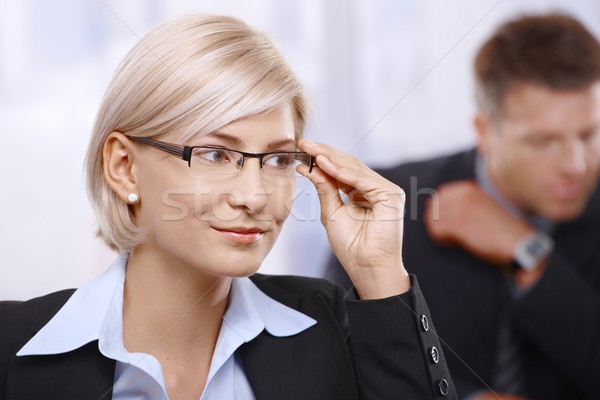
(560, 315)
(556, 305)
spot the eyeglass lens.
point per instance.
(226, 162)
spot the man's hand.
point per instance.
(496, 396)
(469, 218)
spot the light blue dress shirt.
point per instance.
(95, 312)
(507, 343)
(482, 177)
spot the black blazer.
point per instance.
(558, 320)
(390, 360)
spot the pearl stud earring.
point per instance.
(132, 198)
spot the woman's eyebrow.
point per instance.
(230, 139)
(281, 143)
(238, 143)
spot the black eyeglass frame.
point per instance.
(185, 152)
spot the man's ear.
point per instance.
(484, 129)
(119, 169)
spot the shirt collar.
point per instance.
(82, 317)
(93, 313)
(249, 305)
(483, 179)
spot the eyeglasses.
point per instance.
(214, 160)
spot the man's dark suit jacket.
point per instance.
(390, 360)
(558, 319)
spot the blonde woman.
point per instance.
(191, 171)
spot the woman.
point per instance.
(191, 171)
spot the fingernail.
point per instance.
(307, 142)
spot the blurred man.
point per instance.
(507, 246)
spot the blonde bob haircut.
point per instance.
(186, 77)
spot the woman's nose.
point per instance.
(249, 189)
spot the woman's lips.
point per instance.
(245, 237)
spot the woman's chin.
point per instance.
(236, 267)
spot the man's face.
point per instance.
(543, 151)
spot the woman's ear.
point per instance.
(119, 167)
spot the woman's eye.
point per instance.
(215, 156)
(283, 160)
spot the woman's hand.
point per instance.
(366, 233)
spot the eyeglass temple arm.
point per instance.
(180, 151)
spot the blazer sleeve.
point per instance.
(6, 343)
(561, 316)
(395, 348)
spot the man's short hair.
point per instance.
(553, 50)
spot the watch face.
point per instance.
(533, 250)
(536, 248)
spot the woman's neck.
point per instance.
(171, 306)
(173, 311)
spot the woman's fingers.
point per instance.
(327, 189)
(353, 177)
(366, 233)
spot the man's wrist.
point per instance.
(532, 251)
(526, 279)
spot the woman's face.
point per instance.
(219, 224)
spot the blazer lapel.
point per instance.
(81, 374)
(315, 364)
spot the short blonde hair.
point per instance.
(189, 76)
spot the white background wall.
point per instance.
(389, 80)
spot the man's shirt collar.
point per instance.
(485, 182)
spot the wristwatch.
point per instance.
(532, 250)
